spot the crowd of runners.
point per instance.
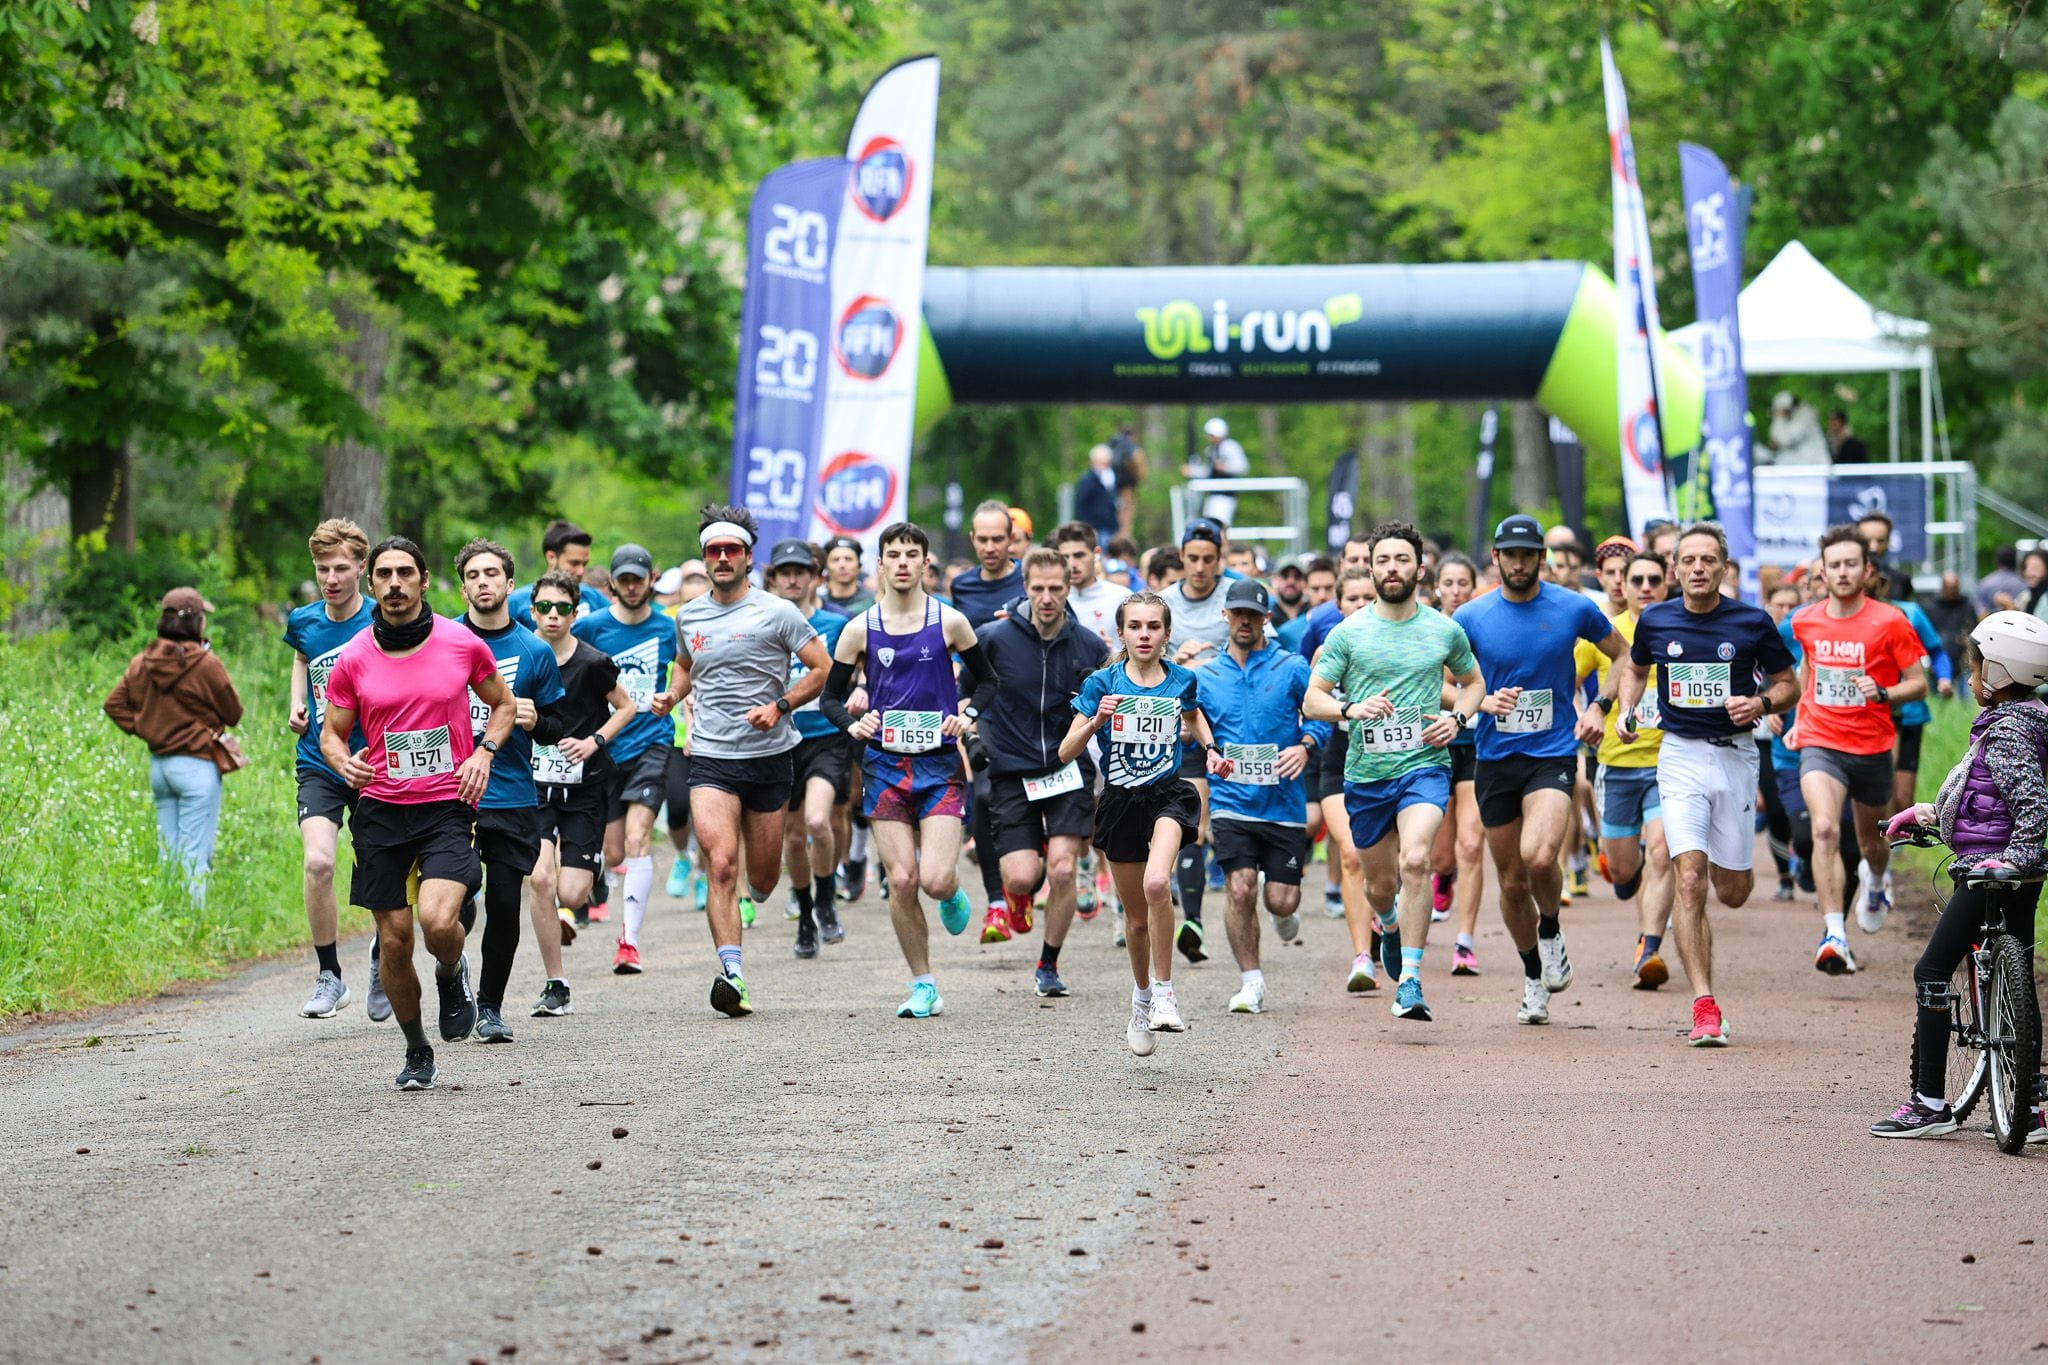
(1107, 734)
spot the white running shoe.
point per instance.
(1535, 1003)
(1139, 1034)
(1288, 927)
(1557, 964)
(1250, 999)
(1873, 902)
(1165, 1013)
(328, 999)
(1862, 902)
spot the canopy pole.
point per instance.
(1927, 408)
(1894, 377)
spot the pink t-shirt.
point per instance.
(415, 710)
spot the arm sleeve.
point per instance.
(1639, 648)
(838, 683)
(550, 726)
(341, 687)
(1462, 660)
(2015, 766)
(1930, 643)
(977, 666)
(1593, 625)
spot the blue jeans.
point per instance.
(187, 792)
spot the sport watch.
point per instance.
(489, 746)
(782, 705)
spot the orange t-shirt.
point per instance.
(1833, 712)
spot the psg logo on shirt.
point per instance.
(881, 179)
(1725, 650)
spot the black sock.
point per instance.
(502, 913)
(1532, 963)
(1193, 877)
(825, 890)
(1049, 955)
(800, 892)
(1546, 926)
(330, 960)
(415, 1036)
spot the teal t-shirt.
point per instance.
(1368, 655)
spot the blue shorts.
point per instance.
(1372, 806)
(1789, 795)
(907, 788)
(1626, 799)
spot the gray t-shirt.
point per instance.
(1200, 620)
(739, 658)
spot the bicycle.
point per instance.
(1993, 1012)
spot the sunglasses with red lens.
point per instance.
(724, 549)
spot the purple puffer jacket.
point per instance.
(1994, 803)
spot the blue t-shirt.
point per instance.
(1529, 645)
(1703, 658)
(644, 654)
(311, 632)
(1290, 634)
(810, 721)
(1782, 754)
(979, 599)
(527, 664)
(1321, 622)
(1941, 668)
(520, 604)
(1137, 765)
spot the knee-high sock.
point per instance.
(639, 882)
(1192, 875)
(502, 914)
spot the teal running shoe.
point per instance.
(700, 892)
(679, 878)
(954, 912)
(924, 1001)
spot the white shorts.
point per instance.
(1709, 796)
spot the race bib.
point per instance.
(1252, 764)
(479, 714)
(1836, 687)
(1067, 779)
(1697, 687)
(640, 687)
(1145, 720)
(1532, 714)
(1649, 716)
(413, 754)
(1399, 733)
(910, 732)
(553, 768)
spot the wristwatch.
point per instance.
(1884, 694)
(1764, 698)
(489, 746)
(1604, 703)
(600, 741)
(782, 705)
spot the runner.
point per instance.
(316, 633)
(564, 546)
(417, 777)
(643, 644)
(508, 819)
(573, 776)
(914, 784)
(1093, 599)
(1042, 809)
(1861, 659)
(820, 762)
(1199, 633)
(1382, 672)
(1459, 891)
(982, 594)
(1625, 782)
(1319, 587)
(734, 650)
(1252, 697)
(1709, 650)
(1347, 871)
(1148, 813)
(845, 593)
(1523, 637)
(1325, 618)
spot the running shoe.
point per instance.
(790, 912)
(729, 996)
(490, 1025)
(1189, 941)
(1802, 874)
(700, 892)
(1464, 962)
(747, 912)
(954, 912)
(554, 1000)
(1084, 897)
(329, 997)
(853, 879)
(1288, 927)
(1860, 903)
(1046, 981)
(568, 922)
(1408, 1001)
(1557, 963)
(1021, 918)
(1785, 891)
(1333, 901)
(2036, 1134)
(1873, 907)
(1119, 930)
(583, 917)
(1577, 883)
(806, 938)
(1441, 885)
(1600, 862)
(1650, 969)
(829, 927)
(626, 961)
(419, 1070)
(378, 1005)
(1707, 1028)
(1250, 998)
(1364, 977)
(1914, 1119)
(678, 878)
(1165, 1013)
(1535, 1002)
(1390, 952)
(1138, 1033)
(458, 1001)
(924, 1002)
(1834, 957)
(600, 911)
(995, 925)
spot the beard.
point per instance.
(1395, 593)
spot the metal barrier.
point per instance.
(1932, 504)
(1289, 538)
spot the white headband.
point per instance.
(726, 530)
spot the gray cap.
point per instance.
(634, 560)
(798, 552)
(1248, 594)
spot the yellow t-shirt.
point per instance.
(1642, 752)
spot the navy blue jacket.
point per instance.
(1095, 504)
(1029, 708)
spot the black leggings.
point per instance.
(1775, 817)
(502, 913)
(985, 842)
(1954, 935)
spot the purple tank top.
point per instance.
(911, 672)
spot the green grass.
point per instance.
(88, 912)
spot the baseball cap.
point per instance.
(1202, 528)
(1519, 532)
(1248, 594)
(1217, 427)
(1294, 564)
(634, 560)
(185, 599)
(671, 580)
(844, 543)
(797, 552)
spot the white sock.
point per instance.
(1931, 1101)
(639, 882)
(1254, 977)
(1464, 940)
(1141, 995)
(857, 846)
(1160, 987)
(1834, 921)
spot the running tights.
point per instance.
(1776, 818)
(985, 844)
(1191, 873)
(502, 915)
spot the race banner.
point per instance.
(1713, 228)
(877, 306)
(785, 318)
(1481, 501)
(1635, 319)
(1343, 500)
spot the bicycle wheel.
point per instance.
(2012, 1019)
(1968, 1064)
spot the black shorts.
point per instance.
(1276, 851)
(762, 784)
(1124, 818)
(1501, 783)
(1194, 763)
(1021, 825)
(574, 818)
(1464, 762)
(642, 782)
(439, 838)
(1330, 777)
(320, 796)
(1908, 760)
(676, 790)
(826, 758)
(1589, 762)
(509, 838)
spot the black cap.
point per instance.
(796, 552)
(1248, 594)
(632, 561)
(844, 543)
(1519, 532)
(1203, 528)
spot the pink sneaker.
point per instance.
(1440, 886)
(1464, 962)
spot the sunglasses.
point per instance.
(554, 608)
(1636, 582)
(724, 549)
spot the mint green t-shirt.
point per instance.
(1367, 655)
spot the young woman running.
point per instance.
(1461, 842)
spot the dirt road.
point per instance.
(825, 1181)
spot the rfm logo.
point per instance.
(855, 492)
(881, 179)
(869, 333)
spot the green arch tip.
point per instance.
(1578, 384)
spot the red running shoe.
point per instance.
(996, 928)
(626, 962)
(1707, 1028)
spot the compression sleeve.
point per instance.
(838, 685)
(549, 725)
(978, 667)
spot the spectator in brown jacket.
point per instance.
(177, 697)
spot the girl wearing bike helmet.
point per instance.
(1992, 812)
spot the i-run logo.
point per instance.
(1180, 328)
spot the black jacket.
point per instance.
(1094, 503)
(1029, 708)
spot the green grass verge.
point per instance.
(88, 912)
